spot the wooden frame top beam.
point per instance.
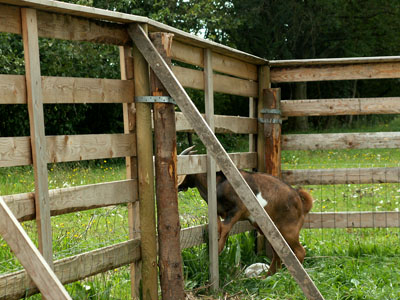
(117, 17)
(332, 61)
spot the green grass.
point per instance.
(344, 263)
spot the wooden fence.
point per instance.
(232, 72)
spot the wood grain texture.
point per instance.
(211, 174)
(194, 164)
(326, 141)
(336, 107)
(222, 124)
(117, 17)
(15, 151)
(175, 89)
(342, 176)
(361, 219)
(73, 268)
(374, 70)
(29, 256)
(190, 78)
(72, 199)
(68, 90)
(36, 123)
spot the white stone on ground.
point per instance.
(255, 270)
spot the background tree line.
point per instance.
(271, 29)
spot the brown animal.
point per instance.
(286, 206)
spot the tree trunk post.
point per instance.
(170, 259)
(272, 131)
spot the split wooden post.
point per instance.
(211, 174)
(28, 255)
(267, 226)
(170, 259)
(144, 136)
(272, 131)
(38, 139)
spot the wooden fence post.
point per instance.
(170, 259)
(211, 174)
(144, 136)
(272, 131)
(38, 139)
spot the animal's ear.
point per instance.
(181, 179)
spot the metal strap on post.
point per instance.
(277, 118)
(155, 99)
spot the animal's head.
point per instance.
(186, 181)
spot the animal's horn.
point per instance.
(187, 150)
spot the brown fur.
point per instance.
(286, 206)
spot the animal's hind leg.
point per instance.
(276, 264)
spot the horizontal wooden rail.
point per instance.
(335, 107)
(194, 79)
(18, 285)
(82, 23)
(224, 64)
(194, 164)
(341, 141)
(342, 176)
(16, 151)
(340, 69)
(68, 90)
(362, 219)
(223, 124)
(72, 199)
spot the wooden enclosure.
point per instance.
(210, 67)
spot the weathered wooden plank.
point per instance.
(223, 124)
(15, 151)
(333, 61)
(194, 164)
(90, 146)
(374, 70)
(29, 256)
(359, 219)
(38, 139)
(325, 141)
(10, 19)
(73, 268)
(68, 90)
(211, 173)
(117, 17)
(341, 176)
(190, 78)
(175, 89)
(345, 106)
(72, 199)
(221, 63)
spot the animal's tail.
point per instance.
(307, 200)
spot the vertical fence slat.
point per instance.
(38, 141)
(211, 175)
(129, 115)
(170, 259)
(28, 255)
(252, 114)
(145, 179)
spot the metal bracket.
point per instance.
(270, 121)
(155, 99)
(271, 111)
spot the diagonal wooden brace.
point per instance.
(214, 147)
(29, 256)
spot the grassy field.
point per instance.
(345, 263)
